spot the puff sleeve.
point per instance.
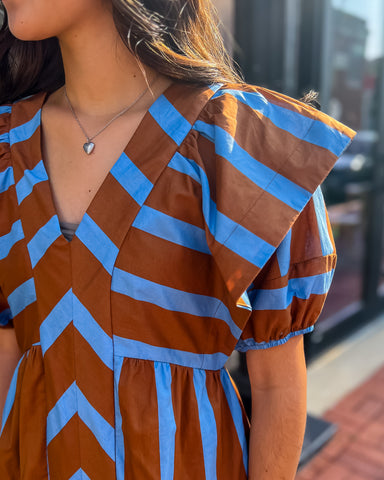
(261, 159)
(287, 296)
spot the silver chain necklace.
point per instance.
(89, 145)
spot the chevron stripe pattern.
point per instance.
(196, 244)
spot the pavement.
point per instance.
(346, 387)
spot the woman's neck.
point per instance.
(102, 76)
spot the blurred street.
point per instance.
(346, 388)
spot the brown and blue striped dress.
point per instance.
(208, 234)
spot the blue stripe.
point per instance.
(251, 344)
(323, 135)
(281, 298)
(300, 126)
(100, 342)
(5, 317)
(172, 229)
(207, 424)
(170, 119)
(10, 399)
(25, 131)
(8, 240)
(31, 177)
(56, 322)
(4, 137)
(22, 297)
(97, 242)
(244, 243)
(101, 429)
(43, 239)
(229, 233)
(185, 166)
(5, 109)
(64, 409)
(283, 254)
(264, 177)
(120, 449)
(71, 402)
(6, 179)
(237, 414)
(80, 475)
(172, 299)
(304, 287)
(326, 243)
(167, 424)
(131, 178)
(126, 347)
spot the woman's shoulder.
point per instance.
(269, 115)
(15, 116)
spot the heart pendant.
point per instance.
(88, 147)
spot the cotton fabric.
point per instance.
(208, 234)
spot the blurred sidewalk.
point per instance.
(346, 387)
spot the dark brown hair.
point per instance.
(178, 38)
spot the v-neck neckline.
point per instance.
(99, 192)
(124, 190)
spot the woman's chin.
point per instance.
(23, 31)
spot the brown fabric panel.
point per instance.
(228, 446)
(306, 312)
(316, 266)
(64, 452)
(39, 200)
(267, 218)
(183, 199)
(59, 367)
(24, 111)
(198, 273)
(151, 324)
(8, 203)
(33, 415)
(113, 209)
(15, 268)
(188, 99)
(94, 461)
(139, 419)
(89, 276)
(189, 458)
(27, 327)
(10, 439)
(237, 272)
(269, 277)
(5, 119)
(52, 277)
(97, 388)
(26, 154)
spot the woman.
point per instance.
(127, 279)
